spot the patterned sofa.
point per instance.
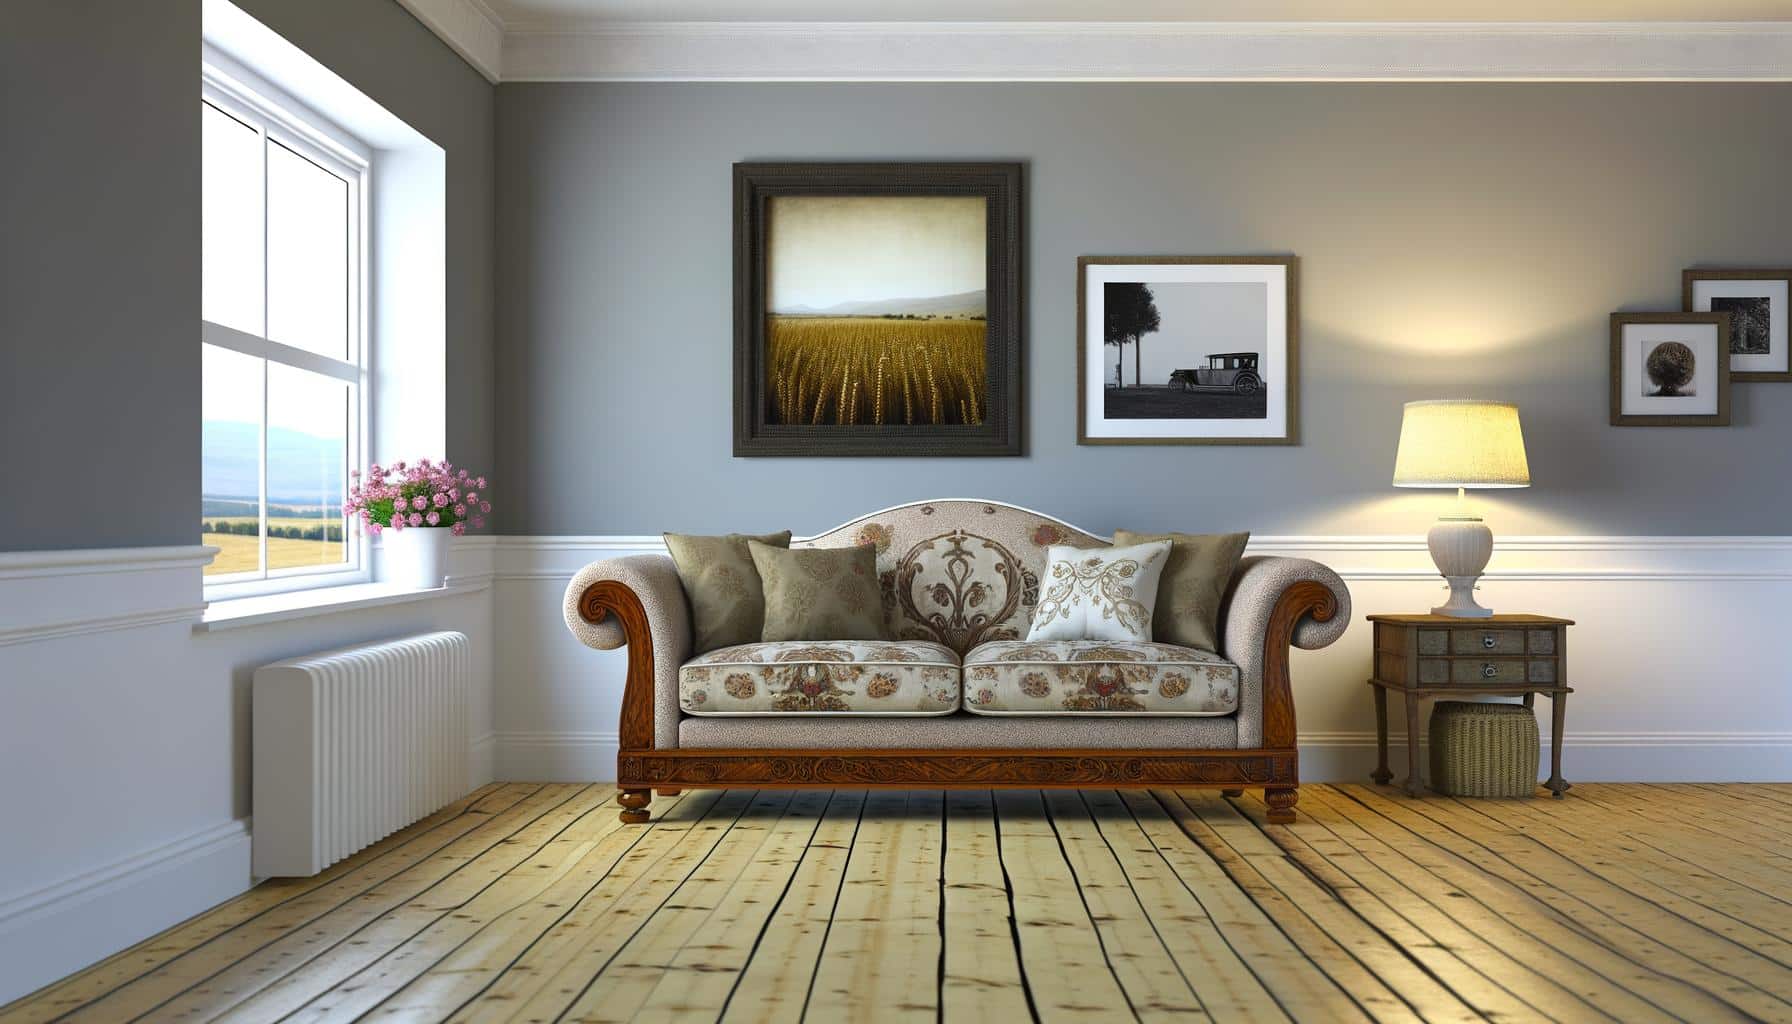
(958, 699)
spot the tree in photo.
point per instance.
(1131, 314)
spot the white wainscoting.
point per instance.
(1679, 657)
(124, 740)
(131, 729)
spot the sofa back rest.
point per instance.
(957, 572)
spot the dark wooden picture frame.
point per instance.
(1290, 384)
(1000, 184)
(1691, 276)
(1720, 418)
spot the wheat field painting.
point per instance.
(876, 311)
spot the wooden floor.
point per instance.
(1621, 903)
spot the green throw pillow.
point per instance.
(726, 597)
(820, 593)
(1192, 585)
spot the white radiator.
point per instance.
(352, 745)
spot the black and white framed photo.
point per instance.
(1757, 303)
(1670, 370)
(1187, 350)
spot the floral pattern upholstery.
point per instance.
(957, 573)
(852, 677)
(1097, 677)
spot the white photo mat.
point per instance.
(1776, 359)
(1272, 365)
(1708, 350)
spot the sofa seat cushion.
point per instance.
(839, 677)
(1097, 677)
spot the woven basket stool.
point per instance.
(1483, 749)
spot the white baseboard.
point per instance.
(482, 761)
(556, 756)
(61, 928)
(1586, 757)
(1324, 757)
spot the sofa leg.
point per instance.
(1281, 800)
(667, 790)
(634, 803)
(1231, 794)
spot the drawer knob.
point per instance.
(1487, 640)
(1488, 670)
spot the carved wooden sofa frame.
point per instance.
(643, 768)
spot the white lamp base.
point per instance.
(1462, 604)
(1460, 546)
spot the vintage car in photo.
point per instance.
(1225, 371)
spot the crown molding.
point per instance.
(586, 51)
(469, 27)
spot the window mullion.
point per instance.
(262, 534)
(261, 503)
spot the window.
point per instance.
(283, 336)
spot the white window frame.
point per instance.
(280, 119)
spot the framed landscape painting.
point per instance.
(1187, 350)
(877, 309)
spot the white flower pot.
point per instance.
(417, 556)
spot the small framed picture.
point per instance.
(1670, 369)
(1187, 350)
(1757, 303)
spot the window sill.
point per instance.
(242, 612)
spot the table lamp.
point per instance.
(1461, 444)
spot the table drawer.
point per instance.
(1487, 641)
(1434, 641)
(1541, 641)
(1489, 672)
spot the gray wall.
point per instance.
(99, 274)
(99, 249)
(1455, 241)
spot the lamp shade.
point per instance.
(1461, 444)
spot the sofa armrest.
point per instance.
(637, 601)
(1275, 603)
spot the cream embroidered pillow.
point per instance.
(1099, 593)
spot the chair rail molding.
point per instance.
(1354, 557)
(582, 49)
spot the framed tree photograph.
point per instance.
(1187, 350)
(1757, 303)
(1670, 370)
(877, 309)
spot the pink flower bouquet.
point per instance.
(425, 494)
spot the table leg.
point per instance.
(1412, 744)
(1381, 775)
(1530, 700)
(1559, 711)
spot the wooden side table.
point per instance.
(1420, 656)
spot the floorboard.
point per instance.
(532, 903)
